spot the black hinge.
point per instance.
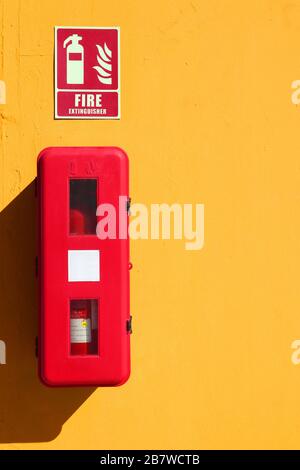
(129, 325)
(128, 204)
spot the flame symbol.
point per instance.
(104, 61)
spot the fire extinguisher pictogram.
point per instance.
(75, 60)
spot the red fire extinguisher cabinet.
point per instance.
(83, 266)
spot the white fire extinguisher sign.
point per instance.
(75, 60)
(87, 72)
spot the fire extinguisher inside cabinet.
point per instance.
(84, 327)
(83, 206)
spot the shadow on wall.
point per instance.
(29, 411)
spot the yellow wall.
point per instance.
(206, 117)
